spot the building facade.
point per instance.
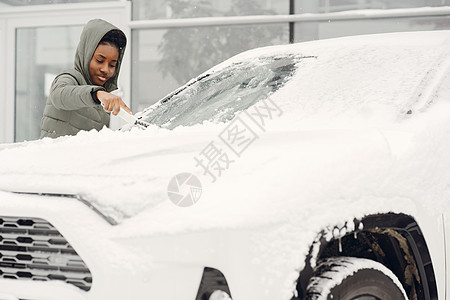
(171, 41)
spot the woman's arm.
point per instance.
(67, 94)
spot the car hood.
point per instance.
(126, 175)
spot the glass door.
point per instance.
(39, 58)
(41, 42)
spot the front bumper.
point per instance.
(58, 248)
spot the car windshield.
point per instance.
(219, 95)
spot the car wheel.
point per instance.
(351, 278)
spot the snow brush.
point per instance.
(130, 119)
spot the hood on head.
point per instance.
(92, 34)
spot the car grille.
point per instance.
(32, 249)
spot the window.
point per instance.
(342, 5)
(339, 28)
(174, 9)
(41, 53)
(165, 59)
(5, 3)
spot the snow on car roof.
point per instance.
(356, 73)
(393, 73)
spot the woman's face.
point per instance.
(103, 63)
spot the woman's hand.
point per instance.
(112, 103)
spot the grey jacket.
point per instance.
(70, 107)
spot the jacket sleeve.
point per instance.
(67, 94)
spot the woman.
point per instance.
(80, 98)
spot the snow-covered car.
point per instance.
(317, 170)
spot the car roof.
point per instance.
(398, 72)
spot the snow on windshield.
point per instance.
(218, 96)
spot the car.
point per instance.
(314, 170)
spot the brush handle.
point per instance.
(129, 118)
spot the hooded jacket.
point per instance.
(71, 106)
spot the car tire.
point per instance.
(350, 278)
